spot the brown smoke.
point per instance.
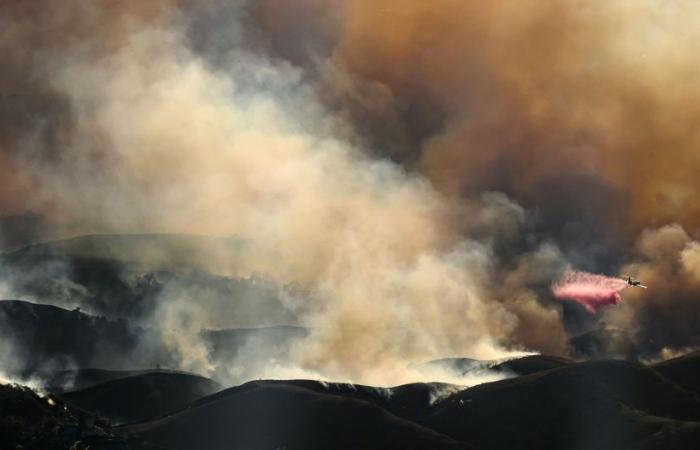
(666, 318)
(158, 140)
(272, 122)
(528, 98)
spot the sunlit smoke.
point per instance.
(37, 386)
(160, 119)
(589, 290)
(164, 142)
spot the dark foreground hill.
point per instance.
(553, 404)
(603, 405)
(596, 405)
(684, 370)
(139, 397)
(269, 415)
(31, 422)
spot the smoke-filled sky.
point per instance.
(424, 170)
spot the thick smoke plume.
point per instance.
(664, 320)
(564, 106)
(158, 140)
(590, 290)
(418, 171)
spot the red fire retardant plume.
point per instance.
(588, 289)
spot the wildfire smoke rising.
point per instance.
(590, 98)
(359, 145)
(158, 140)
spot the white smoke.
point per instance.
(163, 142)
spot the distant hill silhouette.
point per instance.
(531, 364)
(152, 251)
(46, 338)
(139, 397)
(128, 276)
(683, 370)
(51, 343)
(515, 366)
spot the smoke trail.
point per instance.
(589, 290)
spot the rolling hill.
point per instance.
(139, 397)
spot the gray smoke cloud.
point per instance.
(332, 164)
(162, 141)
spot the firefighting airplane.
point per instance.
(632, 282)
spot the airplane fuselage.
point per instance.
(636, 283)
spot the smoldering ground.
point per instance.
(422, 171)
